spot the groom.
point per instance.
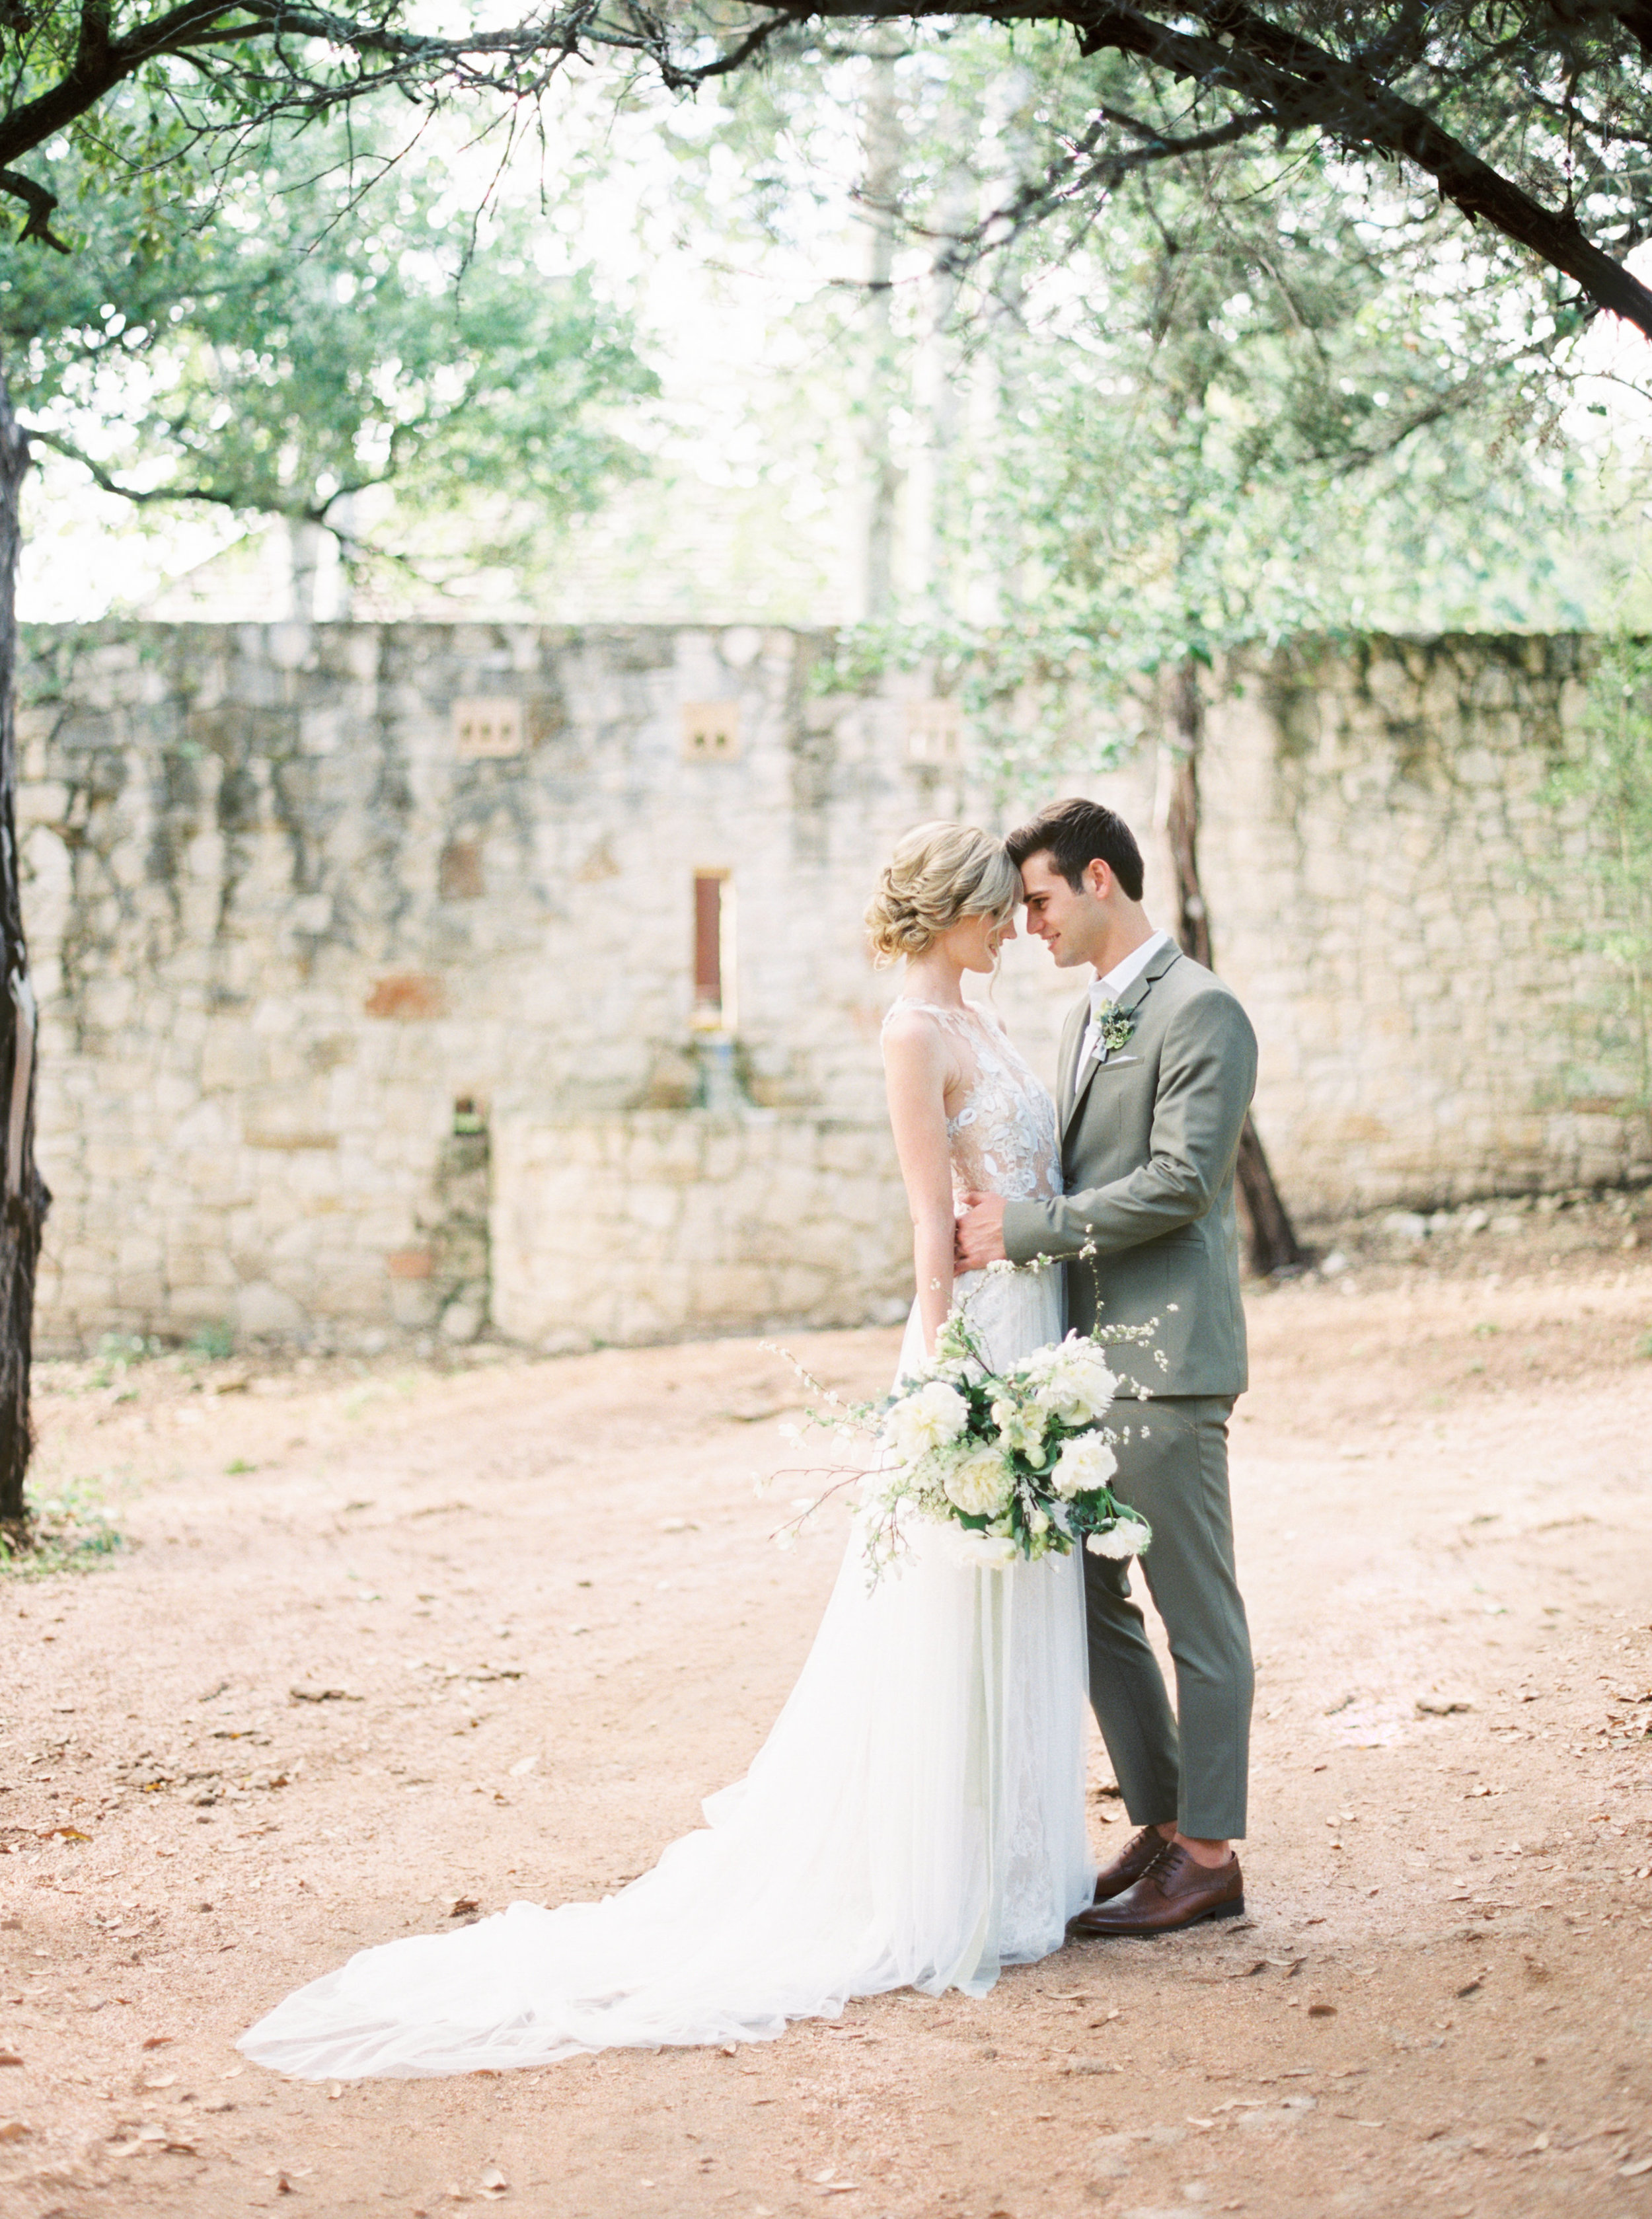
(1157, 1066)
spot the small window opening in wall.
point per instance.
(714, 971)
(467, 1118)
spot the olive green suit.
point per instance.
(1149, 1139)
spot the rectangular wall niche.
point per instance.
(487, 729)
(714, 952)
(711, 732)
(935, 732)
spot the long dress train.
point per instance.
(915, 1818)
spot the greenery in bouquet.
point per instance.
(1018, 1463)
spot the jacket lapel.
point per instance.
(1135, 995)
(1072, 1034)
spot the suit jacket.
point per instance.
(1148, 1144)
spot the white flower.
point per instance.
(1072, 1381)
(987, 1551)
(978, 1483)
(1127, 1539)
(1085, 1462)
(930, 1419)
(1037, 1522)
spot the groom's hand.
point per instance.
(979, 1238)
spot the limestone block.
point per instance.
(189, 1306)
(463, 1320)
(231, 1057)
(194, 1264)
(113, 1163)
(263, 1310)
(725, 1146)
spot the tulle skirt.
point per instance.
(915, 1819)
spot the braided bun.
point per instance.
(938, 874)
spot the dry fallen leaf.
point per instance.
(12, 2131)
(1322, 2010)
(10, 2057)
(156, 2040)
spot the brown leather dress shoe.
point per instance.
(1174, 1891)
(1130, 1864)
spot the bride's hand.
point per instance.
(978, 1239)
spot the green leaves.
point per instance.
(331, 326)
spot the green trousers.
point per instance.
(1177, 1477)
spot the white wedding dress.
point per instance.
(915, 1818)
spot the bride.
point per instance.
(915, 1818)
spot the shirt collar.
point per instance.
(1112, 983)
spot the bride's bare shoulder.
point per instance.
(913, 1035)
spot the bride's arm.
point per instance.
(915, 1070)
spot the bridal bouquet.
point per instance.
(1017, 1463)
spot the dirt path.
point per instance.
(1442, 2000)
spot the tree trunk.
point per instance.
(26, 1200)
(880, 193)
(1273, 1244)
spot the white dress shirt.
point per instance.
(1107, 989)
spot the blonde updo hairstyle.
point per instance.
(939, 874)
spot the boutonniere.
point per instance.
(1113, 1027)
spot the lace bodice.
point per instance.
(1003, 1134)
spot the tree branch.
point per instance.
(1282, 80)
(297, 511)
(1635, 17)
(1301, 84)
(39, 203)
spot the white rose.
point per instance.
(1085, 1464)
(1127, 1539)
(985, 1551)
(978, 1483)
(937, 1414)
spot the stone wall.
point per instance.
(365, 955)
(1401, 906)
(642, 1226)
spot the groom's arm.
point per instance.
(1206, 1076)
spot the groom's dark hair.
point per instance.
(1075, 833)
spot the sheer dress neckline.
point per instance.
(1002, 1138)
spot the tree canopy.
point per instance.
(1532, 120)
(286, 349)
